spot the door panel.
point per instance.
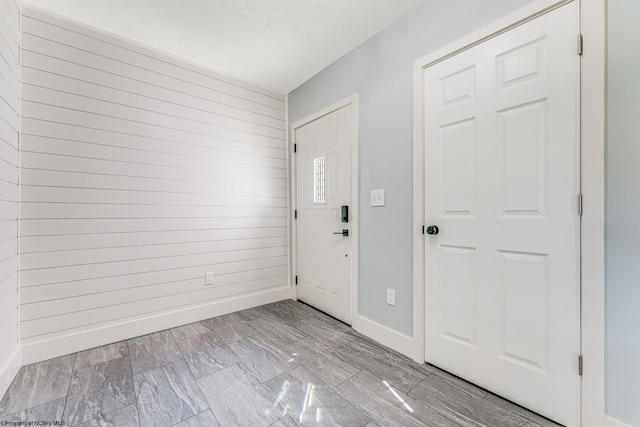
(501, 183)
(459, 285)
(323, 185)
(522, 151)
(458, 168)
(523, 294)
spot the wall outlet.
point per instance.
(208, 278)
(391, 296)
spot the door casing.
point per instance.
(592, 22)
(355, 199)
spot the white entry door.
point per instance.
(323, 186)
(502, 181)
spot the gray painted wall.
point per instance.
(381, 71)
(623, 212)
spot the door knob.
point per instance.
(344, 232)
(433, 230)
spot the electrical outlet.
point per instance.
(391, 296)
(208, 278)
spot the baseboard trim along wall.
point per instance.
(34, 350)
(386, 336)
(9, 370)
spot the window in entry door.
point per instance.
(319, 181)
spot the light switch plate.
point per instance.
(208, 278)
(377, 197)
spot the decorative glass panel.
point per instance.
(319, 180)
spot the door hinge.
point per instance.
(580, 364)
(580, 44)
(296, 280)
(295, 214)
(580, 204)
(295, 148)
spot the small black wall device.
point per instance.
(344, 214)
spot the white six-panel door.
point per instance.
(323, 186)
(502, 182)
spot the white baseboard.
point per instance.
(9, 370)
(37, 349)
(612, 422)
(392, 339)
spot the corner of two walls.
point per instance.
(10, 353)
(139, 173)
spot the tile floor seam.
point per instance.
(135, 393)
(345, 380)
(223, 369)
(213, 414)
(420, 382)
(173, 339)
(155, 367)
(201, 392)
(205, 398)
(358, 409)
(205, 374)
(91, 367)
(98, 364)
(66, 396)
(183, 356)
(187, 419)
(189, 372)
(351, 402)
(194, 375)
(104, 414)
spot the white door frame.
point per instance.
(592, 22)
(355, 195)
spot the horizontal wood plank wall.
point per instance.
(140, 173)
(9, 137)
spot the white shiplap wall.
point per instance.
(10, 358)
(140, 173)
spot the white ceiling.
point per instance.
(278, 44)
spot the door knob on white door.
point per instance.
(344, 232)
(433, 230)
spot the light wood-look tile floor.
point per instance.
(282, 364)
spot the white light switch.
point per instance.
(208, 278)
(377, 197)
